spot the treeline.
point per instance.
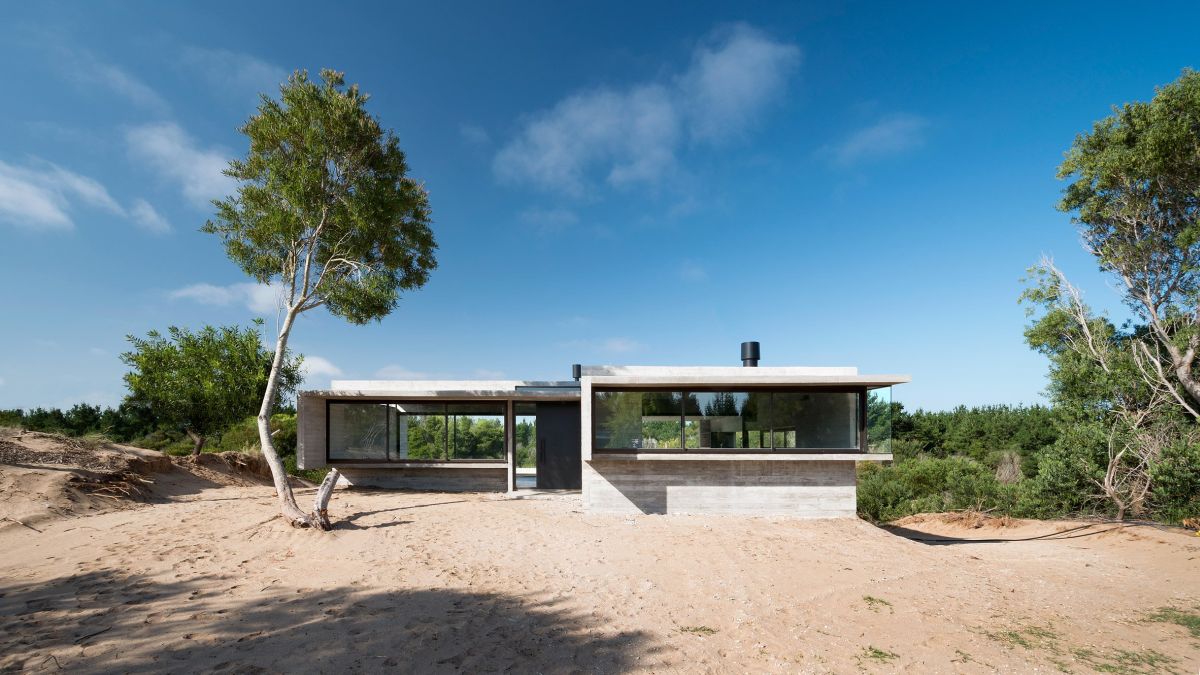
(135, 425)
(1028, 462)
(121, 424)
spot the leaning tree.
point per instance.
(1134, 192)
(325, 211)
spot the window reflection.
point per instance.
(727, 420)
(779, 420)
(637, 419)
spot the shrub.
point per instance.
(243, 436)
(1064, 484)
(1176, 476)
(929, 484)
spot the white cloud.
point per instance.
(548, 220)
(258, 298)
(317, 366)
(474, 134)
(889, 136)
(42, 196)
(168, 149)
(234, 72)
(632, 135)
(397, 372)
(96, 351)
(147, 218)
(732, 79)
(2, 382)
(88, 69)
(488, 374)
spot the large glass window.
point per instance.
(358, 431)
(417, 431)
(743, 420)
(727, 419)
(879, 420)
(421, 431)
(525, 434)
(637, 419)
(476, 430)
(815, 420)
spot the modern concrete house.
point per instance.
(635, 439)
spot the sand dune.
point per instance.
(204, 578)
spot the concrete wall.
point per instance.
(451, 479)
(310, 432)
(807, 489)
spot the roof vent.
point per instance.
(750, 354)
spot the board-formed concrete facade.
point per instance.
(680, 475)
(812, 489)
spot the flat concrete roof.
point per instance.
(868, 381)
(516, 389)
(717, 371)
(733, 375)
(603, 375)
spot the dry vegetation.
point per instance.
(175, 580)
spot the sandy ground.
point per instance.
(203, 578)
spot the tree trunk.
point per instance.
(1183, 371)
(321, 503)
(197, 441)
(287, 500)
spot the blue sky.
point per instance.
(636, 183)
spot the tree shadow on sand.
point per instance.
(1083, 530)
(111, 622)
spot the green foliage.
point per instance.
(929, 484)
(324, 203)
(1133, 189)
(876, 654)
(204, 381)
(984, 434)
(526, 439)
(1126, 398)
(1176, 481)
(243, 436)
(121, 424)
(1065, 484)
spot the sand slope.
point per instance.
(206, 579)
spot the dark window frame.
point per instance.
(445, 403)
(861, 425)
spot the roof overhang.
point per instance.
(449, 389)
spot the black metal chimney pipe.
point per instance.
(749, 354)
(576, 371)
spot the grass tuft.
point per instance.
(1180, 617)
(1029, 637)
(698, 630)
(876, 654)
(875, 603)
(1125, 662)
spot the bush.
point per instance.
(1064, 485)
(1176, 476)
(167, 441)
(243, 436)
(14, 417)
(929, 484)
